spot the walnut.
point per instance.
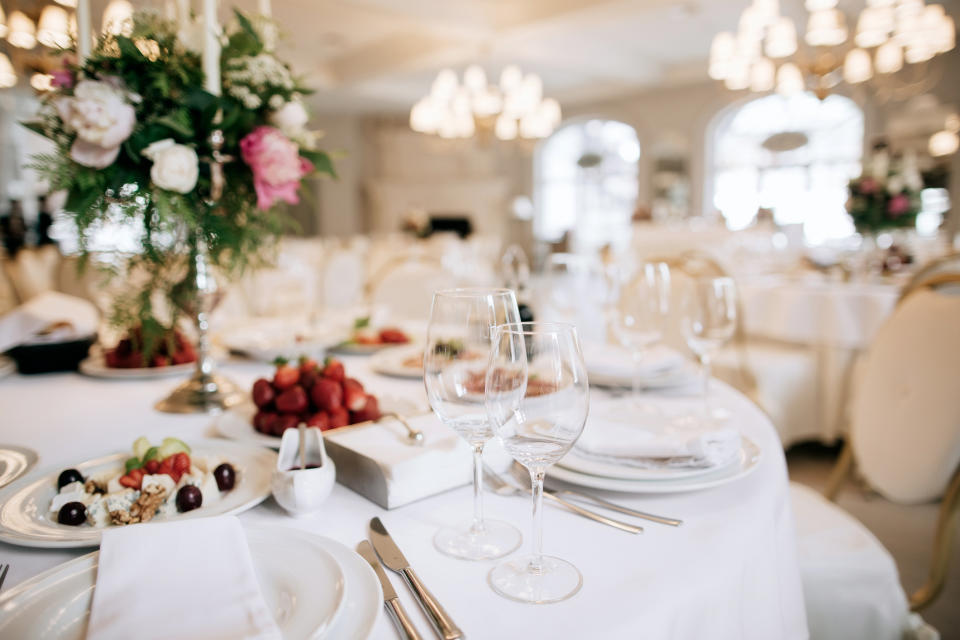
(143, 509)
(120, 516)
(92, 486)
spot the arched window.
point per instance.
(793, 155)
(586, 184)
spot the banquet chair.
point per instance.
(405, 286)
(342, 278)
(943, 266)
(905, 441)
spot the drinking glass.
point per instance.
(641, 317)
(708, 321)
(454, 369)
(537, 399)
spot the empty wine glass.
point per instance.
(454, 369)
(641, 317)
(708, 321)
(537, 399)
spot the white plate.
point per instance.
(316, 587)
(390, 362)
(574, 461)
(747, 461)
(14, 462)
(26, 520)
(266, 339)
(680, 376)
(7, 366)
(236, 423)
(95, 367)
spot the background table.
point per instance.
(729, 572)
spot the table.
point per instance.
(729, 572)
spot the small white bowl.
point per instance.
(303, 491)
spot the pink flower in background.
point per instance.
(868, 186)
(62, 79)
(898, 205)
(276, 164)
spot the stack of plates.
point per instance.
(315, 586)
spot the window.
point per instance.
(586, 184)
(793, 155)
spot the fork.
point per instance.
(3, 573)
(502, 487)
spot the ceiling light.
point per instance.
(118, 18)
(857, 67)
(762, 75)
(41, 81)
(820, 5)
(781, 38)
(789, 80)
(505, 128)
(475, 79)
(943, 143)
(53, 27)
(827, 28)
(874, 25)
(22, 33)
(889, 57)
(3, 24)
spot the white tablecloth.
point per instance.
(729, 572)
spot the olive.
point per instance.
(225, 476)
(72, 513)
(68, 476)
(189, 498)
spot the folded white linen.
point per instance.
(25, 323)
(612, 361)
(188, 579)
(615, 434)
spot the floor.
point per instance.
(906, 531)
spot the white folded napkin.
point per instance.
(25, 323)
(612, 361)
(410, 472)
(614, 434)
(188, 579)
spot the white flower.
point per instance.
(102, 118)
(291, 118)
(175, 166)
(895, 185)
(276, 101)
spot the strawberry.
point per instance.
(320, 419)
(333, 370)
(339, 417)
(263, 393)
(159, 361)
(307, 364)
(326, 394)
(354, 397)
(293, 400)
(370, 411)
(284, 422)
(285, 377)
(309, 378)
(184, 355)
(393, 336)
(263, 420)
(133, 479)
(181, 462)
(151, 466)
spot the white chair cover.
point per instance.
(407, 289)
(342, 279)
(905, 415)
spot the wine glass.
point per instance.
(641, 317)
(708, 321)
(581, 290)
(454, 368)
(537, 399)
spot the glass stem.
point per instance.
(477, 525)
(705, 362)
(536, 541)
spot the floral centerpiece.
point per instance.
(138, 136)
(887, 194)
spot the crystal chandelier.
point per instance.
(764, 55)
(513, 108)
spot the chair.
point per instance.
(342, 279)
(905, 440)
(405, 286)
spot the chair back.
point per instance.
(406, 287)
(944, 266)
(905, 412)
(342, 279)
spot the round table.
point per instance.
(729, 572)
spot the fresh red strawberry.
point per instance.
(353, 395)
(181, 462)
(263, 420)
(159, 361)
(285, 377)
(326, 394)
(309, 378)
(293, 400)
(284, 422)
(370, 411)
(263, 393)
(334, 370)
(112, 358)
(133, 479)
(151, 466)
(307, 364)
(166, 466)
(339, 417)
(366, 338)
(393, 336)
(320, 419)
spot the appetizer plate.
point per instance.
(14, 462)
(236, 423)
(316, 587)
(746, 462)
(95, 367)
(395, 361)
(26, 519)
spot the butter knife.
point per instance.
(390, 599)
(393, 558)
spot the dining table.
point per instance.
(730, 571)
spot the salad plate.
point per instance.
(315, 587)
(14, 462)
(26, 518)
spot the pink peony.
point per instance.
(276, 164)
(62, 79)
(101, 117)
(868, 186)
(898, 205)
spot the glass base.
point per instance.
(517, 579)
(495, 540)
(202, 394)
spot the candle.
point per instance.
(211, 47)
(83, 30)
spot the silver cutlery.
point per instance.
(502, 487)
(520, 472)
(3, 573)
(393, 559)
(390, 599)
(414, 436)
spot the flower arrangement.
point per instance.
(886, 195)
(132, 124)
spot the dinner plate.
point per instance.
(236, 423)
(679, 376)
(267, 339)
(575, 461)
(95, 367)
(747, 461)
(7, 366)
(14, 462)
(315, 586)
(26, 520)
(392, 362)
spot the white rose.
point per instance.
(291, 118)
(102, 118)
(175, 166)
(895, 185)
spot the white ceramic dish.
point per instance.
(391, 362)
(584, 464)
(746, 463)
(685, 374)
(26, 520)
(14, 462)
(95, 367)
(316, 587)
(266, 339)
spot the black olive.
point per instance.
(225, 476)
(72, 513)
(189, 498)
(68, 476)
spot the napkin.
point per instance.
(376, 460)
(25, 323)
(612, 361)
(614, 434)
(188, 579)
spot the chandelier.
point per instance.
(513, 108)
(764, 55)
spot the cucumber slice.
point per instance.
(140, 446)
(171, 446)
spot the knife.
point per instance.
(390, 599)
(393, 558)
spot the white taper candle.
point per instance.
(211, 47)
(83, 30)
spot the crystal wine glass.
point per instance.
(537, 399)
(708, 321)
(454, 369)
